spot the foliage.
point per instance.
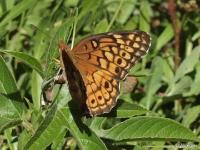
(163, 110)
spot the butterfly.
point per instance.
(97, 64)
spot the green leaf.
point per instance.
(59, 141)
(86, 138)
(23, 139)
(52, 53)
(195, 90)
(29, 60)
(180, 87)
(168, 74)
(36, 85)
(11, 105)
(41, 39)
(6, 78)
(71, 3)
(126, 11)
(164, 37)
(10, 112)
(88, 7)
(8, 135)
(126, 110)
(101, 26)
(59, 119)
(47, 131)
(17, 10)
(147, 128)
(52, 124)
(131, 24)
(154, 81)
(192, 114)
(188, 64)
(145, 16)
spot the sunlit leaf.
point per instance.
(146, 128)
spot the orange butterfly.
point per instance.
(94, 67)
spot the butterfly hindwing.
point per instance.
(102, 91)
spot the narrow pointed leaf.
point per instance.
(188, 64)
(126, 110)
(29, 60)
(11, 106)
(17, 10)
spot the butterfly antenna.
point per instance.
(62, 46)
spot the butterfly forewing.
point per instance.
(112, 52)
(105, 59)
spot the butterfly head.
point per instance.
(63, 46)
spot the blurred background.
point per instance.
(165, 82)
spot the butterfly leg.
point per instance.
(59, 78)
(47, 87)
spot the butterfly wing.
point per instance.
(72, 76)
(105, 59)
